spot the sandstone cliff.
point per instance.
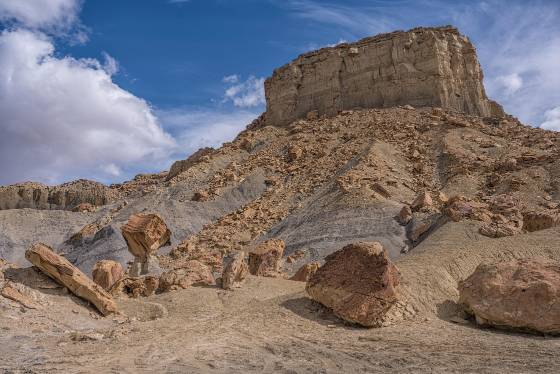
(421, 67)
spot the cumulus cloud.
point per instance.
(552, 119)
(56, 17)
(63, 118)
(247, 94)
(518, 42)
(203, 127)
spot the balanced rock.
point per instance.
(145, 234)
(235, 270)
(305, 272)
(193, 273)
(106, 273)
(359, 283)
(266, 259)
(62, 271)
(519, 294)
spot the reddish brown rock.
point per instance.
(294, 153)
(84, 208)
(266, 259)
(106, 273)
(535, 221)
(519, 294)
(423, 200)
(405, 215)
(136, 286)
(62, 271)
(193, 273)
(359, 283)
(145, 234)
(235, 270)
(306, 272)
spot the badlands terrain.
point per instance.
(391, 140)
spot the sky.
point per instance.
(105, 89)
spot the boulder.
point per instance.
(359, 283)
(106, 273)
(136, 286)
(535, 221)
(193, 273)
(23, 295)
(305, 272)
(145, 234)
(62, 271)
(235, 270)
(423, 200)
(405, 215)
(518, 294)
(266, 259)
(420, 224)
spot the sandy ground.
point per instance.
(269, 325)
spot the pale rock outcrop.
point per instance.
(144, 235)
(181, 166)
(235, 270)
(359, 283)
(62, 271)
(66, 196)
(518, 294)
(266, 259)
(305, 272)
(421, 67)
(106, 273)
(192, 273)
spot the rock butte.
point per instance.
(421, 67)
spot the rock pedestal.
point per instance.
(144, 235)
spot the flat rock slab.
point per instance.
(62, 271)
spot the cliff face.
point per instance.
(421, 67)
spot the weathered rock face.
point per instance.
(305, 272)
(65, 196)
(266, 259)
(106, 273)
(422, 67)
(183, 165)
(518, 294)
(358, 283)
(62, 271)
(136, 286)
(235, 270)
(193, 273)
(145, 234)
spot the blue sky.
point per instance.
(106, 89)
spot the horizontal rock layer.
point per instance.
(421, 67)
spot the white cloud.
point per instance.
(45, 15)
(510, 83)
(110, 65)
(197, 128)
(552, 119)
(64, 118)
(247, 94)
(234, 78)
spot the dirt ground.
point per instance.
(270, 325)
